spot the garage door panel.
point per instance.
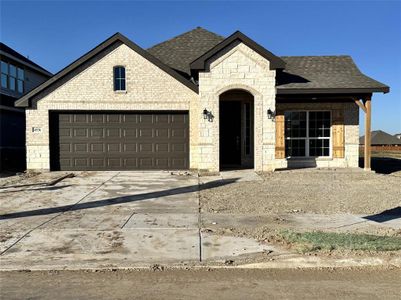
(99, 118)
(162, 147)
(146, 119)
(80, 118)
(113, 118)
(145, 148)
(178, 147)
(81, 147)
(130, 148)
(80, 132)
(145, 162)
(162, 119)
(178, 133)
(146, 132)
(130, 132)
(113, 132)
(98, 162)
(120, 141)
(96, 133)
(178, 163)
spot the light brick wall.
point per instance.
(239, 67)
(148, 88)
(351, 134)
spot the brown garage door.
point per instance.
(119, 141)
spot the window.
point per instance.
(307, 133)
(4, 75)
(20, 80)
(119, 78)
(12, 77)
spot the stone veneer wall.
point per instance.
(239, 67)
(351, 134)
(148, 88)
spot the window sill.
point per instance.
(120, 92)
(309, 158)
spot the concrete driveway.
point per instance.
(106, 219)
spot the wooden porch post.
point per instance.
(368, 116)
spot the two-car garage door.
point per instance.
(119, 141)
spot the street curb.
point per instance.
(287, 263)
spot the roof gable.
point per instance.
(275, 61)
(181, 50)
(25, 100)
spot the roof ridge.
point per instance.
(183, 34)
(334, 55)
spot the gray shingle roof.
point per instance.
(181, 50)
(302, 73)
(380, 137)
(323, 72)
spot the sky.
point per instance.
(55, 33)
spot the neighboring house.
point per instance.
(382, 141)
(398, 136)
(18, 76)
(197, 101)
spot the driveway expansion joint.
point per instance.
(54, 217)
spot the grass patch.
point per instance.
(317, 240)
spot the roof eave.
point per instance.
(25, 101)
(199, 64)
(293, 91)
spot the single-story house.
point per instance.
(19, 75)
(381, 140)
(197, 101)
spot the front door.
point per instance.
(230, 134)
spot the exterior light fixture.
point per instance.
(205, 114)
(270, 114)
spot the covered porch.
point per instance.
(321, 130)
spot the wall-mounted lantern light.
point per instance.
(270, 114)
(207, 115)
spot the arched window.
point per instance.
(119, 78)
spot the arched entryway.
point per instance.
(236, 123)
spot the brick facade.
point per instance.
(150, 88)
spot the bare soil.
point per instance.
(323, 192)
(261, 209)
(366, 283)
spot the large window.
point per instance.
(307, 133)
(12, 77)
(119, 78)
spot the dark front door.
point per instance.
(119, 141)
(230, 133)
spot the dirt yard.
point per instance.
(306, 191)
(338, 201)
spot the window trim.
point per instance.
(125, 79)
(307, 138)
